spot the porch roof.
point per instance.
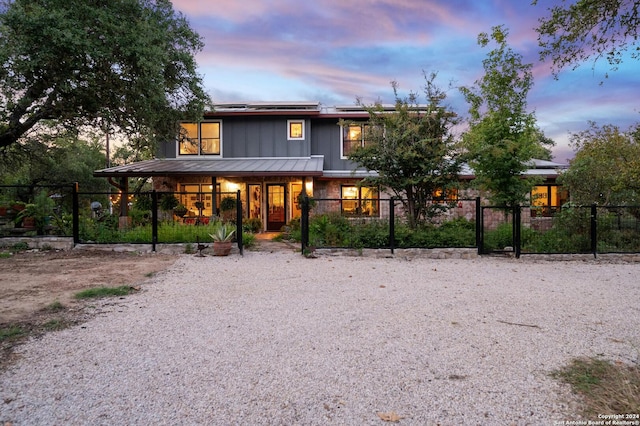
(233, 167)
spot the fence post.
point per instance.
(304, 222)
(239, 223)
(392, 224)
(517, 228)
(479, 226)
(154, 220)
(594, 230)
(75, 219)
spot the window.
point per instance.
(295, 129)
(448, 195)
(546, 199)
(361, 201)
(197, 199)
(200, 138)
(353, 136)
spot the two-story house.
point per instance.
(269, 152)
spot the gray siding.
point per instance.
(261, 137)
(167, 149)
(325, 140)
(253, 137)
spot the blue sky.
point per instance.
(334, 51)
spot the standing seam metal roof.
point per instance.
(308, 166)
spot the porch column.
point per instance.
(214, 206)
(123, 220)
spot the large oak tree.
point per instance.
(126, 65)
(579, 30)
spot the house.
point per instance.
(271, 152)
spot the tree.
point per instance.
(123, 64)
(412, 150)
(62, 160)
(583, 29)
(502, 138)
(606, 167)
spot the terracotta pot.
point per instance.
(222, 248)
(29, 223)
(3, 211)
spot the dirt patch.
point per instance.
(37, 288)
(32, 281)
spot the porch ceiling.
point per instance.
(222, 167)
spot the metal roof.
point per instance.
(233, 167)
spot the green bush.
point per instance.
(248, 240)
(253, 225)
(499, 238)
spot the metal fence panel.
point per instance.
(36, 210)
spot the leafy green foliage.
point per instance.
(412, 150)
(54, 161)
(583, 29)
(125, 65)
(248, 240)
(599, 151)
(503, 137)
(334, 230)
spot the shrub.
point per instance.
(253, 225)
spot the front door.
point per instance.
(276, 217)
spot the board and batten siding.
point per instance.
(261, 137)
(326, 140)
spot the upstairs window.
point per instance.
(353, 137)
(200, 138)
(295, 130)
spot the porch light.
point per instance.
(308, 186)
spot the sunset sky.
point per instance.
(335, 51)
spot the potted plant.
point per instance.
(37, 215)
(228, 207)
(222, 239)
(169, 202)
(180, 210)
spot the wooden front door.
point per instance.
(276, 213)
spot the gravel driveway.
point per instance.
(278, 339)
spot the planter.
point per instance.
(180, 212)
(18, 207)
(3, 211)
(29, 223)
(222, 248)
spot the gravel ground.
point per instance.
(277, 339)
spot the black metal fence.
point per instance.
(382, 224)
(568, 229)
(32, 210)
(156, 218)
(152, 218)
(107, 218)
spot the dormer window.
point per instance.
(200, 138)
(295, 130)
